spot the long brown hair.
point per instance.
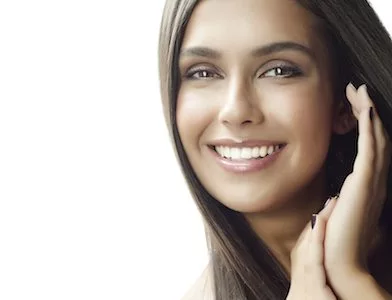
(243, 266)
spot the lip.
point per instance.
(246, 165)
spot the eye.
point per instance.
(282, 72)
(201, 73)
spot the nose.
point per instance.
(241, 105)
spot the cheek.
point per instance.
(305, 115)
(304, 110)
(309, 121)
(194, 114)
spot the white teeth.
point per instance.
(255, 152)
(246, 153)
(226, 152)
(270, 150)
(219, 150)
(235, 153)
(263, 151)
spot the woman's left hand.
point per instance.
(354, 220)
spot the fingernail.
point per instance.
(314, 218)
(351, 86)
(371, 113)
(362, 86)
(327, 202)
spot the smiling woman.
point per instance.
(260, 106)
(229, 107)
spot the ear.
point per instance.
(344, 120)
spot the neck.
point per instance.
(281, 228)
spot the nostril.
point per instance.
(240, 115)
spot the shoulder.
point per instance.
(202, 289)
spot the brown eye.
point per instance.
(201, 73)
(282, 72)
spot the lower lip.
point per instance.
(246, 165)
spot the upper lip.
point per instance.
(244, 143)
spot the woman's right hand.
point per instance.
(308, 277)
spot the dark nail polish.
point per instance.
(314, 218)
(371, 113)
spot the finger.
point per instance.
(351, 93)
(378, 131)
(383, 143)
(299, 251)
(382, 147)
(315, 264)
(317, 279)
(357, 103)
(301, 248)
(304, 234)
(366, 154)
(364, 162)
(382, 159)
(326, 212)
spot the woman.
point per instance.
(275, 106)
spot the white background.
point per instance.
(92, 202)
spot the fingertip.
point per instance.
(327, 202)
(350, 86)
(362, 88)
(328, 207)
(350, 91)
(364, 94)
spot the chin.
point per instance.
(251, 201)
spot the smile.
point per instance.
(242, 160)
(246, 153)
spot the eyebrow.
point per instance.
(200, 51)
(261, 51)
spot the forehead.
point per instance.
(236, 25)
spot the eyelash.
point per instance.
(293, 72)
(190, 74)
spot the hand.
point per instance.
(308, 276)
(353, 223)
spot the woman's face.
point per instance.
(255, 80)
